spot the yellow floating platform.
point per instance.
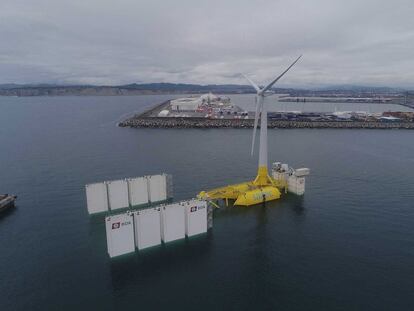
(259, 195)
(263, 189)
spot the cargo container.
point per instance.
(147, 224)
(120, 234)
(138, 191)
(96, 198)
(172, 222)
(195, 217)
(118, 194)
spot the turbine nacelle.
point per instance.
(268, 93)
(261, 93)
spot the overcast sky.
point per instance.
(366, 42)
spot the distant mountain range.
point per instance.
(129, 89)
(168, 88)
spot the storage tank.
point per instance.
(96, 198)
(195, 217)
(118, 194)
(172, 222)
(147, 224)
(163, 113)
(120, 234)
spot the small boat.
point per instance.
(6, 201)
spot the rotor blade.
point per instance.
(256, 121)
(252, 83)
(277, 79)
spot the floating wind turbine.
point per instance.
(263, 188)
(261, 109)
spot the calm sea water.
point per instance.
(348, 244)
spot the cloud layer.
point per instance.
(368, 42)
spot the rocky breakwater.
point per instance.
(185, 123)
(168, 122)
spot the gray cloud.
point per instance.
(113, 42)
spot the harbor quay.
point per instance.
(211, 111)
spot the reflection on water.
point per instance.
(140, 269)
(7, 212)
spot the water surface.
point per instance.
(348, 244)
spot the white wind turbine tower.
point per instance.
(263, 178)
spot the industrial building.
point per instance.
(205, 103)
(185, 104)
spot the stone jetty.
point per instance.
(170, 122)
(150, 119)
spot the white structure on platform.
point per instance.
(120, 234)
(147, 224)
(295, 178)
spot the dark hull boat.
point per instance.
(6, 201)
